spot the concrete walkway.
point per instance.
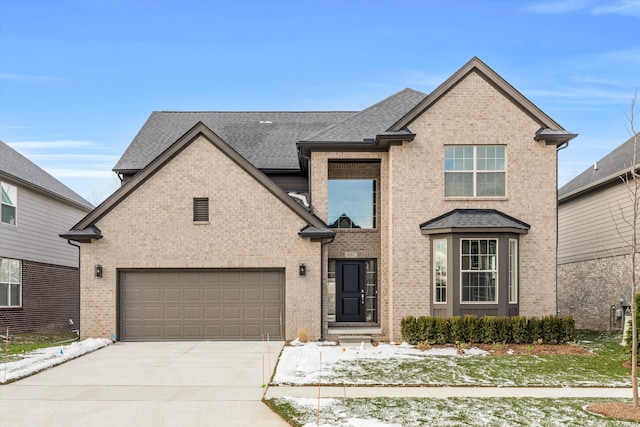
(149, 384)
(445, 392)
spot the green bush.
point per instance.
(487, 329)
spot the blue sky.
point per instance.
(78, 78)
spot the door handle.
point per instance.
(362, 297)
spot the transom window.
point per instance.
(8, 203)
(10, 283)
(474, 170)
(352, 203)
(478, 270)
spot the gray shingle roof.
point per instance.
(16, 166)
(610, 167)
(371, 121)
(266, 139)
(474, 218)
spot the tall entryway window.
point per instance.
(353, 291)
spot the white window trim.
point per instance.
(446, 287)
(497, 271)
(15, 205)
(513, 274)
(474, 172)
(12, 283)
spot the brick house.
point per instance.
(234, 225)
(39, 280)
(594, 263)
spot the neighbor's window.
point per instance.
(10, 283)
(479, 270)
(474, 170)
(8, 203)
(513, 271)
(440, 271)
(352, 203)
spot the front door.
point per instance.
(350, 296)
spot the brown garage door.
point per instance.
(158, 305)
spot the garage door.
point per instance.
(160, 305)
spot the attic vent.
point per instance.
(265, 121)
(200, 209)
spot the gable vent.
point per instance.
(200, 209)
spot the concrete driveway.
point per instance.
(149, 384)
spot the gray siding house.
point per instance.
(39, 282)
(593, 241)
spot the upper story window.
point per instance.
(10, 282)
(8, 203)
(352, 203)
(474, 171)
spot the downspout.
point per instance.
(322, 245)
(558, 148)
(79, 275)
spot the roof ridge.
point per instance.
(256, 111)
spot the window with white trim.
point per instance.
(440, 271)
(8, 203)
(10, 283)
(513, 271)
(474, 171)
(478, 270)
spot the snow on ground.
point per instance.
(39, 360)
(304, 363)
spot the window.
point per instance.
(352, 203)
(440, 271)
(10, 283)
(474, 171)
(513, 271)
(478, 270)
(8, 203)
(201, 209)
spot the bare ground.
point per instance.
(616, 410)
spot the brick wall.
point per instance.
(50, 297)
(248, 228)
(587, 290)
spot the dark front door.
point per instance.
(350, 291)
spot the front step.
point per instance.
(354, 339)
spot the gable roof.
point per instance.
(266, 139)
(86, 229)
(610, 168)
(474, 220)
(557, 137)
(17, 167)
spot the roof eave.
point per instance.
(596, 184)
(316, 234)
(86, 235)
(471, 230)
(554, 137)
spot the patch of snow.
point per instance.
(39, 360)
(308, 363)
(300, 197)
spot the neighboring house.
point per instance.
(594, 268)
(441, 204)
(39, 280)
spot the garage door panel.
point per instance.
(200, 304)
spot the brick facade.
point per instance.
(153, 228)
(50, 297)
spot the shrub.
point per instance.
(488, 329)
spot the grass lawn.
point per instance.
(442, 412)
(602, 368)
(19, 345)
